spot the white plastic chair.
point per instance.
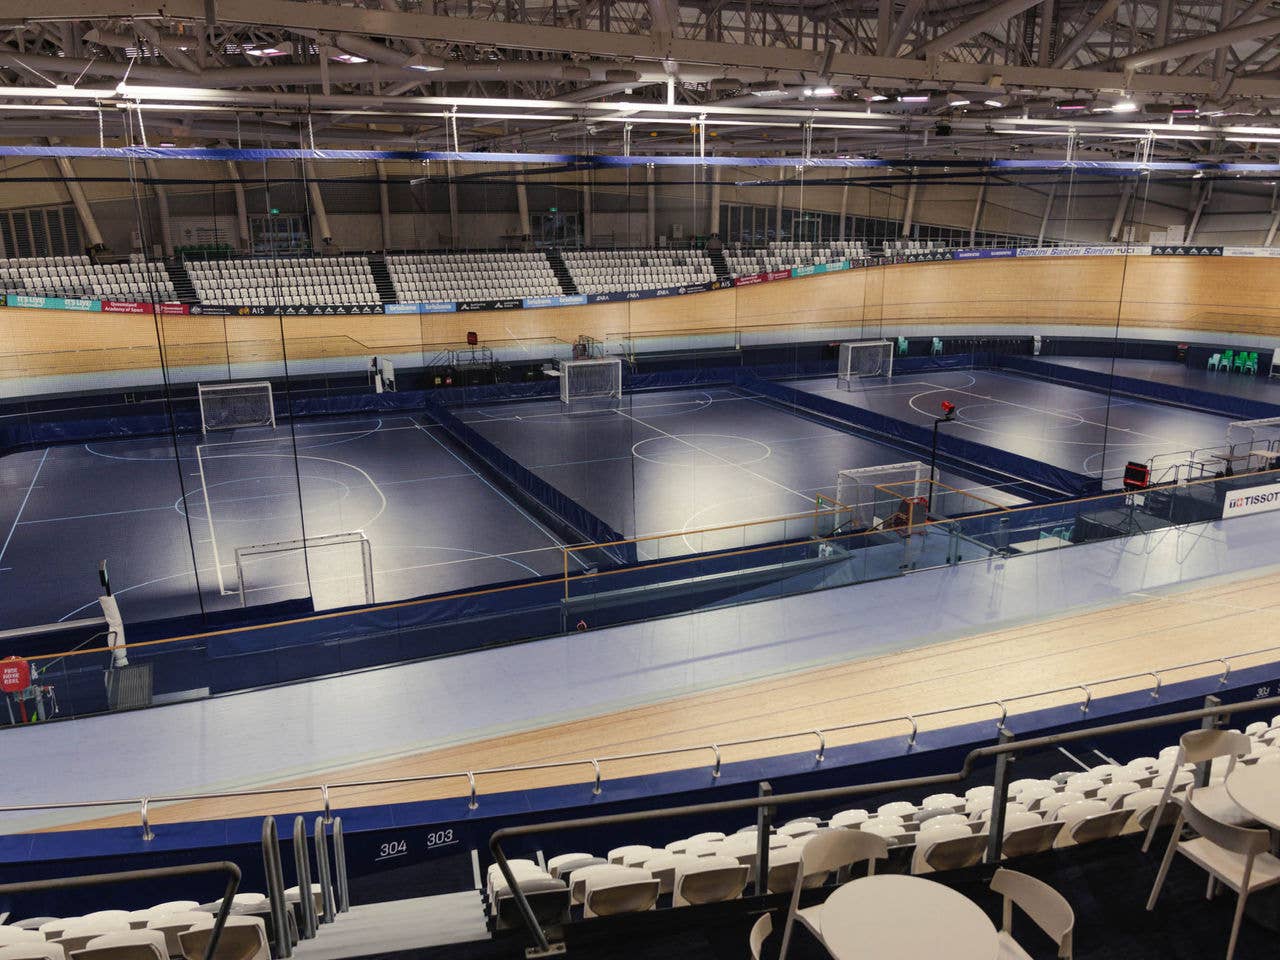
(607, 895)
(1199, 746)
(827, 852)
(130, 945)
(1039, 901)
(708, 880)
(243, 938)
(1234, 855)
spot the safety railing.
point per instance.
(1213, 713)
(792, 543)
(823, 737)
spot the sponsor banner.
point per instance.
(126, 306)
(429, 306)
(15, 675)
(1240, 503)
(1186, 251)
(53, 303)
(1106, 250)
(1251, 251)
(513, 303)
(997, 253)
(925, 257)
(288, 310)
(750, 279)
(574, 300)
(818, 268)
(175, 309)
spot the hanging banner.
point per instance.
(53, 303)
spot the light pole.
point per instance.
(948, 414)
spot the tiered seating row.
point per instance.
(612, 271)
(785, 254)
(137, 279)
(943, 831)
(493, 276)
(284, 280)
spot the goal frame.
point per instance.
(305, 544)
(206, 389)
(884, 482)
(845, 377)
(615, 390)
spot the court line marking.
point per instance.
(204, 489)
(752, 473)
(519, 509)
(22, 506)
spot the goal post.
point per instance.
(338, 568)
(590, 379)
(225, 406)
(880, 497)
(863, 358)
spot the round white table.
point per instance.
(892, 917)
(1256, 790)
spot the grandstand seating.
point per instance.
(135, 279)
(280, 280)
(611, 271)
(471, 276)
(941, 831)
(785, 254)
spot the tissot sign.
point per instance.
(1240, 503)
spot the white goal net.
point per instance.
(590, 380)
(863, 358)
(225, 406)
(876, 498)
(337, 569)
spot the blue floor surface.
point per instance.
(1079, 430)
(680, 461)
(433, 523)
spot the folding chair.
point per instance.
(1200, 746)
(826, 852)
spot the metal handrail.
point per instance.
(302, 871)
(596, 763)
(271, 866)
(1004, 748)
(152, 873)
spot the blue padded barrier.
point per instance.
(1227, 405)
(590, 527)
(971, 454)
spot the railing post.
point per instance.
(999, 800)
(282, 946)
(340, 866)
(302, 866)
(1212, 722)
(321, 841)
(764, 824)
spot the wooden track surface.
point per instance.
(1143, 631)
(1213, 296)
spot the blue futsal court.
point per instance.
(187, 526)
(1079, 430)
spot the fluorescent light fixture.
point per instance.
(1183, 109)
(347, 58)
(767, 90)
(168, 143)
(877, 97)
(993, 103)
(1124, 106)
(914, 97)
(819, 91)
(424, 62)
(957, 102)
(1072, 105)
